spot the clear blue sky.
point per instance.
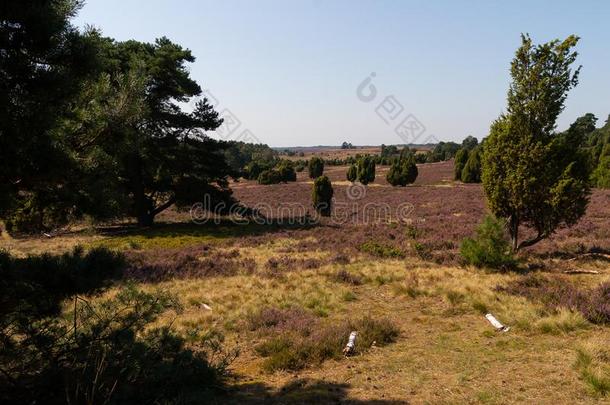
(288, 70)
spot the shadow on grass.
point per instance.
(578, 252)
(300, 391)
(181, 234)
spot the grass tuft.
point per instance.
(593, 364)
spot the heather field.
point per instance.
(284, 296)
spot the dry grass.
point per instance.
(446, 351)
(593, 364)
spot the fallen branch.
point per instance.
(584, 255)
(581, 271)
(496, 324)
(351, 344)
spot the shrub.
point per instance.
(270, 177)
(315, 167)
(322, 195)
(489, 248)
(300, 166)
(352, 173)
(403, 171)
(286, 171)
(366, 170)
(379, 250)
(422, 250)
(461, 157)
(256, 167)
(472, 169)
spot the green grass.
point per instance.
(176, 235)
(593, 364)
(380, 250)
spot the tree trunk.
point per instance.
(513, 229)
(142, 204)
(145, 219)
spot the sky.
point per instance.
(294, 72)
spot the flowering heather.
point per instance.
(443, 213)
(296, 339)
(558, 292)
(275, 319)
(198, 261)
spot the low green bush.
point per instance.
(352, 173)
(322, 196)
(315, 167)
(489, 248)
(270, 177)
(380, 250)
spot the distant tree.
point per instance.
(461, 157)
(322, 195)
(598, 146)
(254, 169)
(389, 151)
(403, 170)
(286, 170)
(300, 165)
(346, 145)
(421, 157)
(271, 176)
(352, 173)
(471, 173)
(315, 167)
(366, 169)
(443, 151)
(531, 175)
(248, 159)
(470, 142)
